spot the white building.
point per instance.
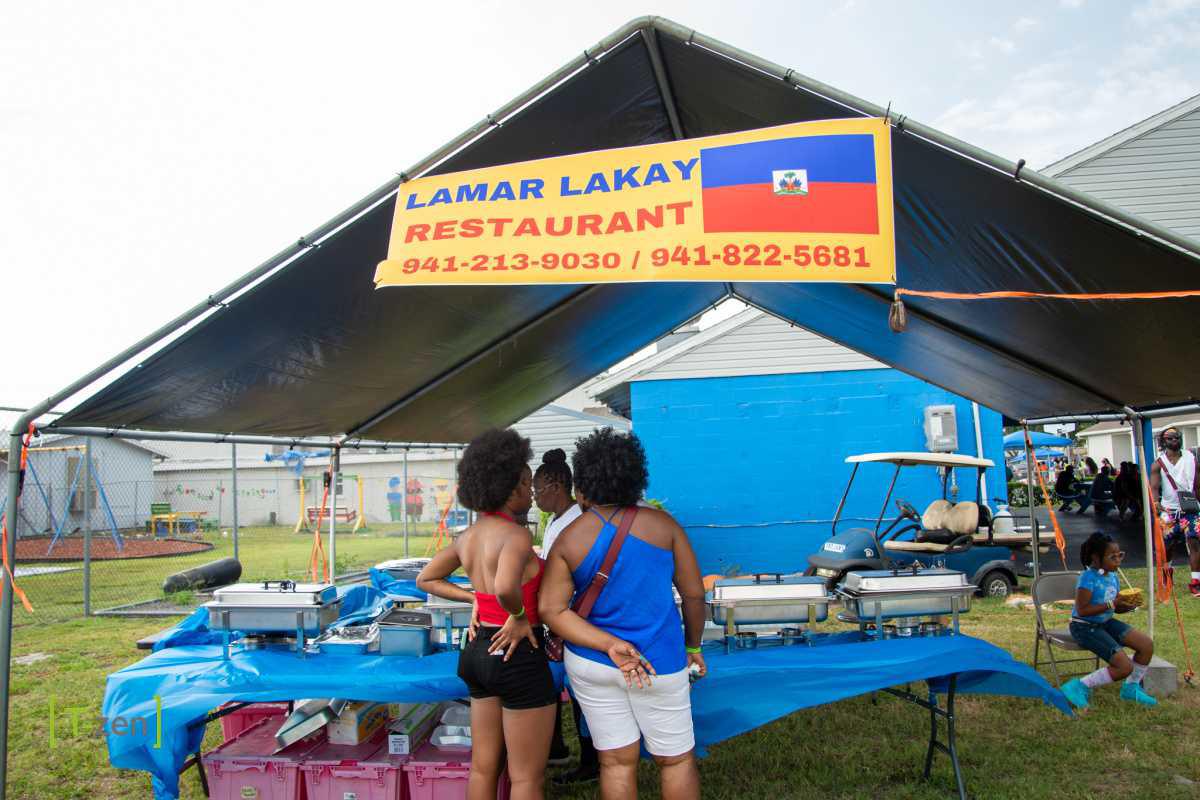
(1153, 170)
(1114, 440)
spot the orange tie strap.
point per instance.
(317, 560)
(4, 523)
(1060, 541)
(1047, 295)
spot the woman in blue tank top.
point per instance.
(631, 661)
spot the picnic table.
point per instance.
(174, 522)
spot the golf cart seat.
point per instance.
(918, 547)
(946, 528)
(1016, 539)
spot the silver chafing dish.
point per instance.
(768, 599)
(274, 607)
(405, 633)
(906, 595)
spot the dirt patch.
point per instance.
(104, 548)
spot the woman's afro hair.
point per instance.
(610, 468)
(490, 468)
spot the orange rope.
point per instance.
(1165, 584)
(1060, 541)
(317, 556)
(1048, 295)
(4, 525)
(442, 530)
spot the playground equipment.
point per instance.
(311, 515)
(84, 467)
(295, 461)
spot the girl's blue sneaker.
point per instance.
(1077, 693)
(1133, 693)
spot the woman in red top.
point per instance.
(504, 664)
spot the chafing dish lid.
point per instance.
(884, 580)
(770, 587)
(275, 593)
(402, 616)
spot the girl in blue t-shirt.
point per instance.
(1093, 627)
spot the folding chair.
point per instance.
(1048, 588)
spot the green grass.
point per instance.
(867, 747)
(265, 552)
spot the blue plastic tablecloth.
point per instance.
(744, 690)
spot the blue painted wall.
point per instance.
(753, 467)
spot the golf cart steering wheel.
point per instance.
(906, 510)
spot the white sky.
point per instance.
(152, 152)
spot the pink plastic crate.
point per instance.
(354, 772)
(245, 768)
(233, 724)
(434, 774)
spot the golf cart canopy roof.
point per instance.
(921, 459)
(311, 347)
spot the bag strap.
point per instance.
(583, 606)
(1166, 470)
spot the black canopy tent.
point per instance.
(316, 349)
(304, 345)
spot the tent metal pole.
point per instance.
(335, 475)
(1033, 528)
(650, 37)
(982, 487)
(1156, 413)
(1138, 225)
(404, 502)
(1142, 451)
(226, 438)
(6, 602)
(233, 460)
(87, 525)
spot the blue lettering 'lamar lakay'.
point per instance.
(619, 179)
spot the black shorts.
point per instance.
(524, 681)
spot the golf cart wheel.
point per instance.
(996, 584)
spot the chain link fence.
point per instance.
(102, 522)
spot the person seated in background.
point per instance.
(1101, 493)
(1090, 470)
(1065, 488)
(1127, 491)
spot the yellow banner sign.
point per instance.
(809, 201)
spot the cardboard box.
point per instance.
(408, 732)
(358, 722)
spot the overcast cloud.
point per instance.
(153, 152)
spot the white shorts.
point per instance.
(618, 716)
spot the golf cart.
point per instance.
(960, 536)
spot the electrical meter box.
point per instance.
(941, 429)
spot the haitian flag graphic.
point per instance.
(810, 184)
